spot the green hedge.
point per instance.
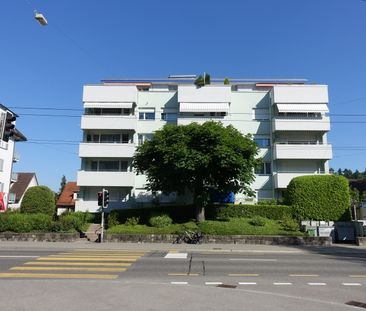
(275, 212)
(319, 197)
(38, 199)
(20, 222)
(178, 214)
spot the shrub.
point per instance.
(112, 219)
(160, 221)
(17, 222)
(74, 221)
(257, 221)
(289, 224)
(132, 221)
(39, 199)
(319, 197)
(275, 212)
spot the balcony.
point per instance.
(282, 179)
(305, 94)
(205, 94)
(90, 122)
(106, 150)
(300, 124)
(110, 93)
(302, 151)
(200, 120)
(105, 179)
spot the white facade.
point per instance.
(289, 123)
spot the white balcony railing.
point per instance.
(101, 179)
(302, 151)
(106, 150)
(282, 179)
(300, 124)
(108, 122)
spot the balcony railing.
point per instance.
(283, 178)
(106, 150)
(303, 150)
(280, 123)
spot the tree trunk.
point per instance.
(200, 213)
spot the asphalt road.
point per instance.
(151, 277)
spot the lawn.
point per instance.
(233, 226)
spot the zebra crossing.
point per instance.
(77, 264)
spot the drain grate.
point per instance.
(226, 286)
(356, 304)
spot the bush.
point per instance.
(319, 197)
(160, 221)
(74, 221)
(289, 224)
(39, 199)
(257, 221)
(17, 222)
(112, 220)
(275, 212)
(132, 221)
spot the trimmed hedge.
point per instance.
(275, 212)
(179, 214)
(319, 197)
(20, 222)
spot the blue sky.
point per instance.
(86, 41)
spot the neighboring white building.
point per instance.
(8, 137)
(288, 120)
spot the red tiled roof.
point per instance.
(67, 195)
(21, 185)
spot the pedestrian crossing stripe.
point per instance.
(61, 263)
(86, 259)
(94, 269)
(59, 276)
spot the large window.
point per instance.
(264, 168)
(109, 166)
(123, 138)
(147, 114)
(143, 137)
(108, 111)
(260, 114)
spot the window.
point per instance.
(218, 114)
(1, 165)
(262, 142)
(124, 166)
(147, 114)
(169, 117)
(109, 138)
(264, 169)
(94, 165)
(125, 138)
(260, 114)
(109, 166)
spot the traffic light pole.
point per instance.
(102, 224)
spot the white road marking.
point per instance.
(317, 284)
(213, 283)
(18, 256)
(179, 283)
(280, 284)
(352, 284)
(252, 259)
(176, 255)
(247, 283)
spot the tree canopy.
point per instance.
(198, 158)
(39, 199)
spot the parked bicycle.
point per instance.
(189, 237)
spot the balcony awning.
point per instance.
(108, 105)
(203, 107)
(302, 108)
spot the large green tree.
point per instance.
(198, 158)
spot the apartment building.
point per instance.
(288, 120)
(9, 134)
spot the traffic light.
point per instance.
(9, 126)
(100, 198)
(105, 198)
